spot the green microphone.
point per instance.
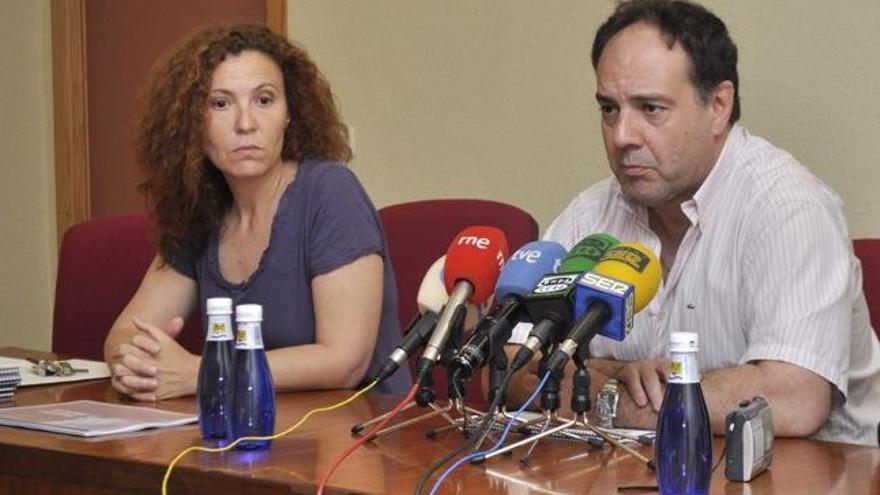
(585, 254)
(550, 304)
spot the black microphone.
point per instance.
(518, 277)
(549, 304)
(431, 298)
(416, 335)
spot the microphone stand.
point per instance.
(426, 396)
(550, 403)
(580, 405)
(468, 417)
(497, 369)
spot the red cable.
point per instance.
(364, 439)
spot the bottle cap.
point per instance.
(249, 312)
(219, 306)
(683, 342)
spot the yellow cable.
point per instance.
(273, 437)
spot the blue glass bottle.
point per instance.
(253, 401)
(214, 388)
(683, 449)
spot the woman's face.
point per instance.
(246, 115)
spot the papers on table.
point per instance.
(88, 418)
(94, 370)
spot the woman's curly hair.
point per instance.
(187, 194)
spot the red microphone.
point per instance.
(473, 262)
(476, 256)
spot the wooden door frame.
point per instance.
(70, 93)
(276, 16)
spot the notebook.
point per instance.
(87, 418)
(9, 380)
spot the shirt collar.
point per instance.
(699, 208)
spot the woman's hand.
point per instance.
(134, 367)
(153, 366)
(176, 369)
(140, 358)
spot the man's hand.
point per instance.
(645, 381)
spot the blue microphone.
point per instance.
(518, 277)
(549, 304)
(525, 267)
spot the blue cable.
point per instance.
(500, 441)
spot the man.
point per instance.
(755, 251)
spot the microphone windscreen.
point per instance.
(586, 253)
(636, 265)
(476, 255)
(432, 293)
(526, 266)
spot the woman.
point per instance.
(241, 145)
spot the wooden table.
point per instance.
(34, 462)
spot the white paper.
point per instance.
(96, 369)
(89, 418)
(520, 333)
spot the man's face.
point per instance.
(657, 133)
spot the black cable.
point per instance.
(478, 434)
(458, 394)
(522, 357)
(723, 453)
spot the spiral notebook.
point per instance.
(87, 418)
(9, 380)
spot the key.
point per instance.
(49, 367)
(67, 369)
(44, 367)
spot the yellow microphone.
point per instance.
(606, 298)
(634, 264)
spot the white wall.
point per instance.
(27, 187)
(494, 98)
(485, 98)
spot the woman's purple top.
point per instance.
(324, 220)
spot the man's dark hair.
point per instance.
(701, 33)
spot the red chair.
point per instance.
(100, 267)
(420, 232)
(868, 252)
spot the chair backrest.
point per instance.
(868, 252)
(100, 267)
(419, 232)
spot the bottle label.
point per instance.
(683, 369)
(249, 335)
(219, 328)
